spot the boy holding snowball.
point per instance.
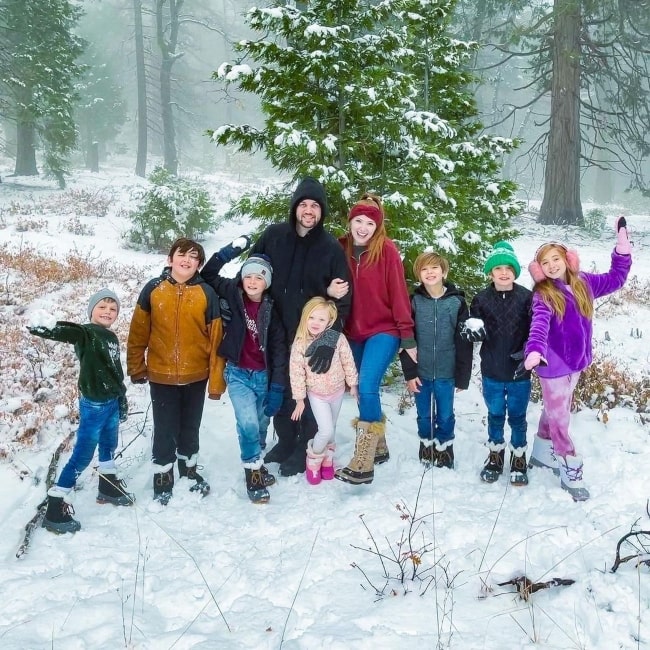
(102, 406)
(500, 318)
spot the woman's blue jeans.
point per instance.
(372, 358)
(247, 390)
(98, 426)
(509, 397)
(435, 406)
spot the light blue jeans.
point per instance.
(98, 426)
(435, 406)
(509, 397)
(247, 390)
(372, 358)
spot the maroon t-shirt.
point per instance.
(251, 358)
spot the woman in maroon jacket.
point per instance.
(379, 325)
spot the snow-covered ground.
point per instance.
(219, 572)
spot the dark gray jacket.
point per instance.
(442, 353)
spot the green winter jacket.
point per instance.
(101, 377)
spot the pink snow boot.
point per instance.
(313, 464)
(327, 468)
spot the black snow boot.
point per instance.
(426, 453)
(163, 486)
(518, 466)
(493, 467)
(189, 471)
(287, 433)
(443, 454)
(113, 490)
(255, 485)
(269, 479)
(58, 517)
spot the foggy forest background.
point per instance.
(83, 84)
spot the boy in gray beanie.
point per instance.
(500, 318)
(256, 352)
(102, 406)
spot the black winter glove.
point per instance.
(234, 248)
(124, 408)
(273, 400)
(321, 351)
(409, 367)
(473, 330)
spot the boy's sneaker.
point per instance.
(518, 466)
(187, 469)
(113, 490)
(493, 467)
(58, 516)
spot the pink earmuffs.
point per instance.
(572, 261)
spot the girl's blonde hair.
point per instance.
(302, 333)
(553, 297)
(376, 243)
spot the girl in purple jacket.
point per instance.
(559, 345)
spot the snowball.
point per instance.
(61, 411)
(42, 318)
(240, 242)
(474, 324)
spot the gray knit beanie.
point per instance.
(100, 295)
(258, 265)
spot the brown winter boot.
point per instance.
(381, 452)
(361, 468)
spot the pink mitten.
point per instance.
(622, 242)
(532, 360)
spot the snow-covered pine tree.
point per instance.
(371, 96)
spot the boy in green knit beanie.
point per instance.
(102, 406)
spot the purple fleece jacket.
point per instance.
(566, 343)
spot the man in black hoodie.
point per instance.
(305, 260)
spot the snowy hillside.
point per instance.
(303, 572)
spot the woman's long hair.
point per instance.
(376, 243)
(302, 333)
(554, 298)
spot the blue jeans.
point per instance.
(435, 406)
(509, 397)
(98, 426)
(372, 358)
(247, 390)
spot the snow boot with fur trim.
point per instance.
(163, 483)
(518, 466)
(571, 477)
(255, 487)
(58, 516)
(543, 455)
(187, 468)
(360, 469)
(327, 468)
(113, 490)
(493, 467)
(313, 464)
(443, 454)
(425, 453)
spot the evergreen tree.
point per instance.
(37, 79)
(371, 97)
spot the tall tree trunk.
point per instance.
(561, 203)
(141, 161)
(169, 57)
(25, 137)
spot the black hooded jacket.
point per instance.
(303, 267)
